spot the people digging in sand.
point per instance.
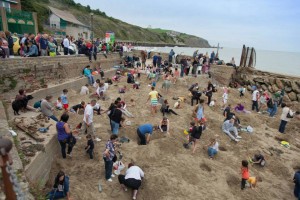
(132, 179)
(245, 173)
(164, 125)
(65, 135)
(228, 128)
(195, 134)
(153, 97)
(213, 148)
(258, 159)
(90, 146)
(47, 108)
(108, 156)
(165, 108)
(88, 125)
(144, 132)
(76, 108)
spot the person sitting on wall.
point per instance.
(33, 50)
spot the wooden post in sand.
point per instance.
(243, 56)
(251, 58)
(5, 147)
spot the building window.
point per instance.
(5, 5)
(53, 25)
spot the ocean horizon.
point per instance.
(287, 63)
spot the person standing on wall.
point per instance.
(43, 45)
(66, 44)
(10, 41)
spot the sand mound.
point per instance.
(172, 172)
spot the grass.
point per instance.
(13, 83)
(37, 191)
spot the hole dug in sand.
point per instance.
(232, 180)
(221, 148)
(205, 167)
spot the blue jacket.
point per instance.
(65, 186)
(33, 51)
(43, 43)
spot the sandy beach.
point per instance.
(173, 172)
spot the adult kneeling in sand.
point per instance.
(132, 179)
(61, 187)
(142, 131)
(64, 135)
(228, 127)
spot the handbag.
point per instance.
(289, 115)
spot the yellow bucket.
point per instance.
(185, 132)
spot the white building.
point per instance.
(64, 23)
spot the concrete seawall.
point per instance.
(31, 73)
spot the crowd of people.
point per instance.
(42, 44)
(262, 102)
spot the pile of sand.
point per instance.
(172, 172)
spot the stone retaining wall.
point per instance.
(270, 82)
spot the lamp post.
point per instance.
(92, 32)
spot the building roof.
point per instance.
(66, 16)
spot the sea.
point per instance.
(286, 63)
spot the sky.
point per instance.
(262, 24)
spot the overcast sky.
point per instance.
(263, 24)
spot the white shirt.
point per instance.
(285, 111)
(96, 106)
(225, 96)
(134, 172)
(254, 95)
(66, 43)
(84, 90)
(90, 112)
(216, 146)
(58, 104)
(212, 103)
(95, 85)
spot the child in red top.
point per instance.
(245, 173)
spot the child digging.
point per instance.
(90, 146)
(64, 99)
(245, 173)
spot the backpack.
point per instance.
(270, 103)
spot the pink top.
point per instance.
(4, 43)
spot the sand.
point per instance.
(173, 172)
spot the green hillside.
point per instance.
(103, 23)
